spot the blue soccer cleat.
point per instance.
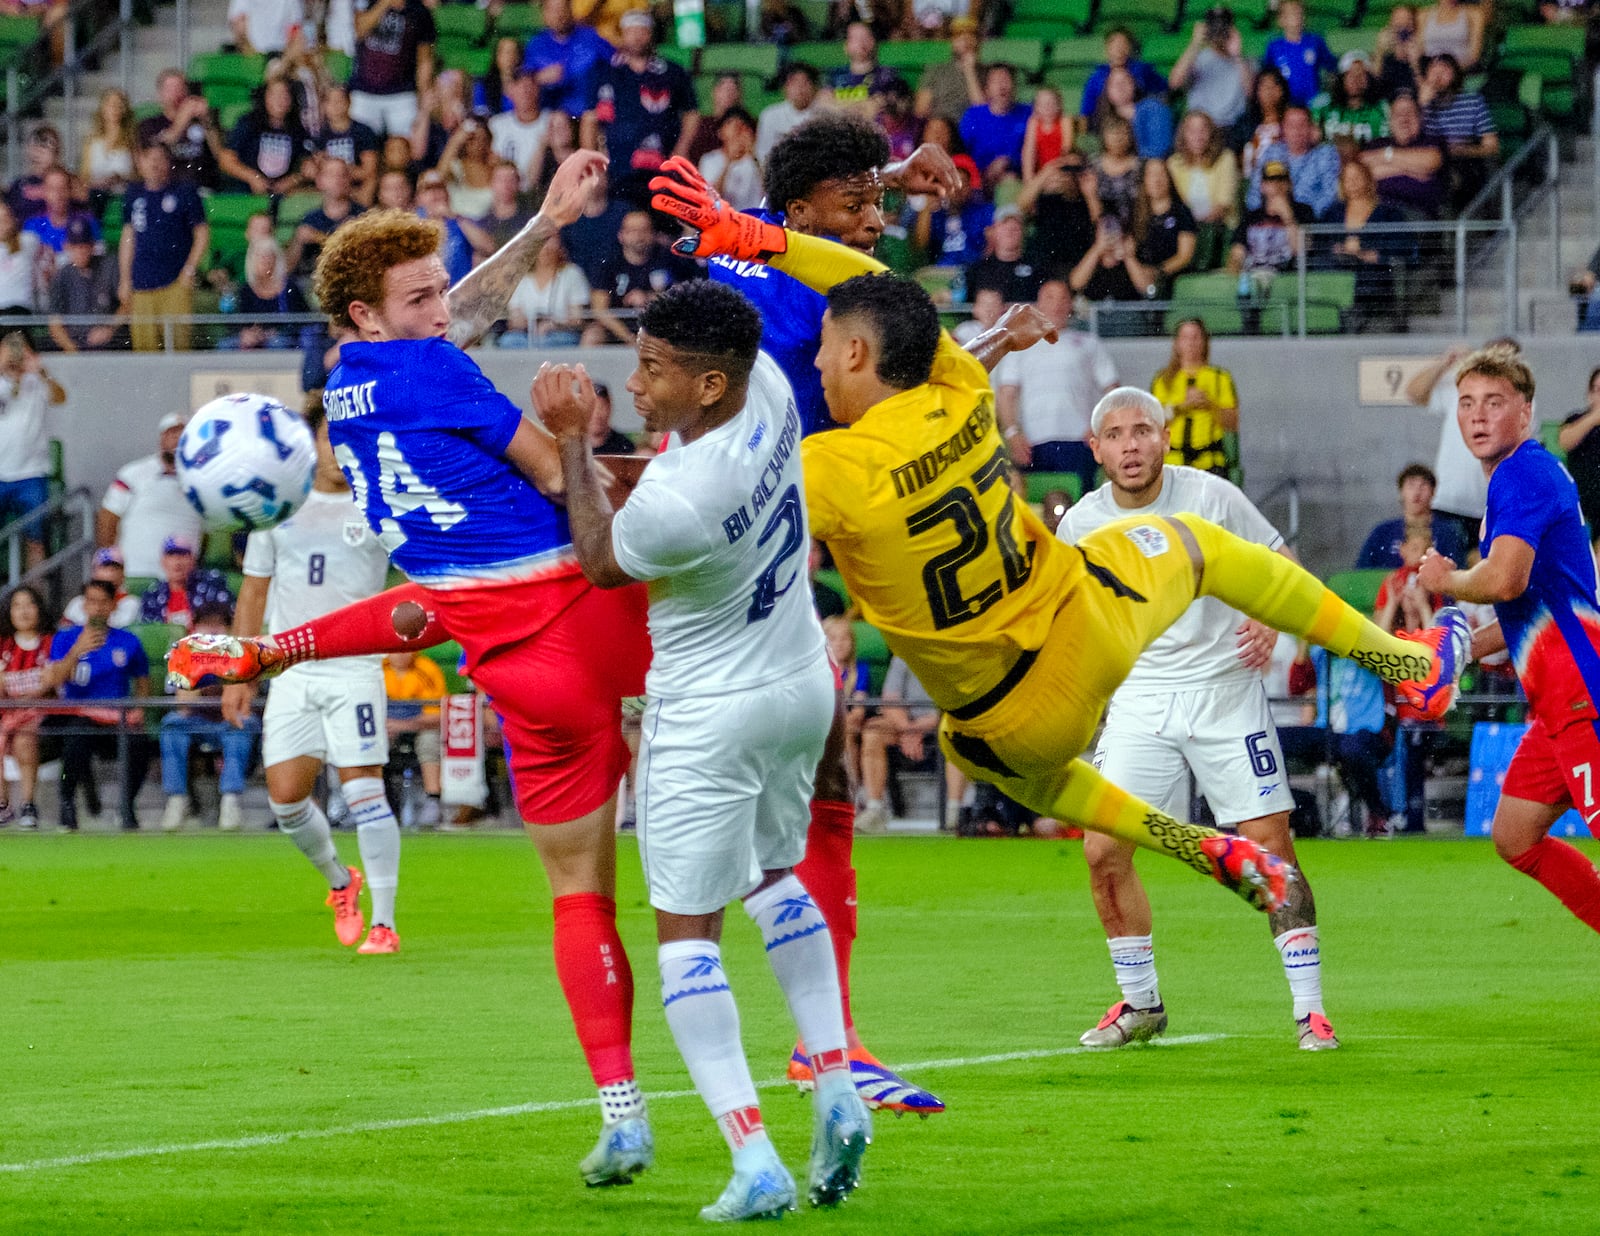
(880, 1087)
(626, 1148)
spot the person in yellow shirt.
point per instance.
(415, 685)
(1204, 405)
(1020, 639)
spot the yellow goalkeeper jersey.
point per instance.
(961, 577)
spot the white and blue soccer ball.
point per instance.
(246, 461)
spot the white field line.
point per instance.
(516, 1109)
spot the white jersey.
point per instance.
(321, 558)
(718, 528)
(1202, 645)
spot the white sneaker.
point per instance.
(873, 818)
(229, 816)
(172, 819)
(1339, 815)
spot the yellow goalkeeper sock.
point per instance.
(1271, 589)
(1079, 795)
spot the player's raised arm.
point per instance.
(479, 300)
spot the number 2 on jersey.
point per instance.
(959, 506)
(788, 515)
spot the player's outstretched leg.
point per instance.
(399, 620)
(705, 1024)
(801, 956)
(1425, 666)
(1080, 795)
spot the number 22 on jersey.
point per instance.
(401, 489)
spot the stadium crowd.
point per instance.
(1117, 178)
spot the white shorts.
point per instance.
(725, 788)
(385, 114)
(337, 717)
(1223, 733)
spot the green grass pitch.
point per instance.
(185, 1048)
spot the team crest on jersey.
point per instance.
(1152, 542)
(354, 533)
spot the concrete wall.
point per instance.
(1301, 413)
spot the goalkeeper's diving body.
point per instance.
(1019, 638)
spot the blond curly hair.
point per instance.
(356, 258)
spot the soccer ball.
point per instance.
(245, 461)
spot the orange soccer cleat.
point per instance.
(380, 939)
(346, 903)
(203, 660)
(1451, 640)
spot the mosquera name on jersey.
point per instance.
(414, 420)
(717, 527)
(963, 580)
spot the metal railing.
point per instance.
(75, 504)
(21, 101)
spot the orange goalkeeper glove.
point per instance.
(723, 231)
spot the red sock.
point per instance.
(831, 880)
(598, 983)
(1568, 874)
(366, 627)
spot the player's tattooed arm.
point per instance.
(1019, 328)
(564, 398)
(480, 299)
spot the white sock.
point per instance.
(705, 1024)
(800, 952)
(1302, 966)
(1134, 960)
(378, 838)
(305, 825)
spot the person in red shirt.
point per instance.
(24, 647)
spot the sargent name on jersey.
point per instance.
(738, 523)
(348, 401)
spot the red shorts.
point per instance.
(1558, 768)
(556, 657)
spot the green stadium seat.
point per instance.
(1049, 19)
(911, 56)
(1026, 55)
(1358, 589)
(1568, 40)
(521, 19)
(459, 22)
(17, 32)
(448, 658)
(296, 207)
(235, 209)
(822, 56)
(338, 65)
(1550, 436)
(1163, 50)
(874, 650)
(224, 96)
(1070, 81)
(834, 580)
(1341, 40)
(231, 114)
(756, 58)
(228, 248)
(683, 57)
(1329, 295)
(228, 69)
(1041, 483)
(156, 638)
(1085, 50)
(1212, 297)
(473, 61)
(1140, 16)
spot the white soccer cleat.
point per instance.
(1124, 1024)
(766, 1192)
(1316, 1034)
(843, 1133)
(626, 1148)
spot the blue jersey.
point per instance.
(791, 326)
(107, 673)
(1553, 628)
(421, 436)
